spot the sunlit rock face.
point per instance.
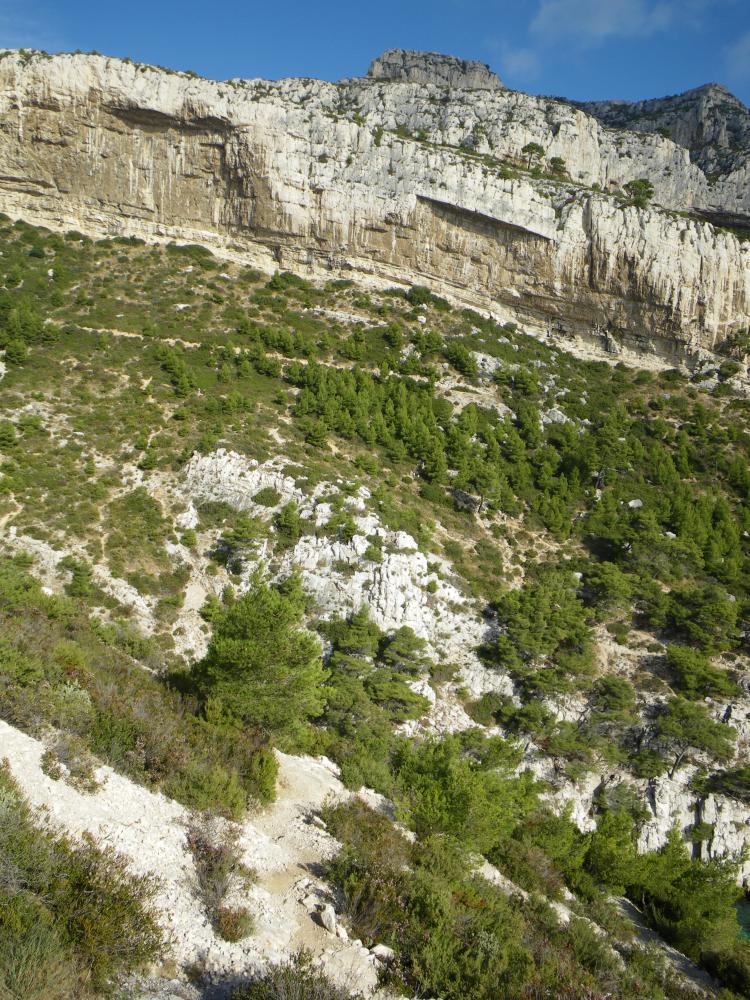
(710, 122)
(411, 182)
(432, 67)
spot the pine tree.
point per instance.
(262, 667)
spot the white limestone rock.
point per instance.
(328, 918)
(383, 953)
(408, 66)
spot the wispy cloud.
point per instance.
(589, 22)
(738, 58)
(520, 64)
(582, 25)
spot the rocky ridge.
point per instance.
(433, 67)
(709, 121)
(398, 181)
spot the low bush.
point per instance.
(234, 923)
(730, 964)
(70, 913)
(219, 873)
(695, 676)
(486, 710)
(267, 497)
(297, 979)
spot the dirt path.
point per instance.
(295, 880)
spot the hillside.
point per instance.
(709, 121)
(549, 548)
(355, 642)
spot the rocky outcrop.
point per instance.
(400, 587)
(709, 121)
(432, 67)
(672, 803)
(400, 182)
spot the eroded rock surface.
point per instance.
(399, 181)
(433, 67)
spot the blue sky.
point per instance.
(576, 48)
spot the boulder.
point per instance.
(328, 918)
(383, 953)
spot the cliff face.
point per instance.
(433, 67)
(710, 122)
(324, 178)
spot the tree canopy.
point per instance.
(262, 667)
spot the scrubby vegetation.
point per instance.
(599, 516)
(457, 934)
(220, 872)
(297, 979)
(72, 917)
(60, 667)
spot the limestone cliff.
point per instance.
(710, 122)
(399, 181)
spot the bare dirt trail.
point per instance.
(291, 825)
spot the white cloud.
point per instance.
(520, 64)
(587, 22)
(738, 58)
(516, 65)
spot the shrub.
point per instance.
(267, 497)
(234, 923)
(203, 786)
(370, 833)
(75, 909)
(196, 254)
(34, 965)
(219, 871)
(640, 192)
(695, 675)
(731, 966)
(485, 710)
(297, 979)
(283, 280)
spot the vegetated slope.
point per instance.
(520, 205)
(527, 572)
